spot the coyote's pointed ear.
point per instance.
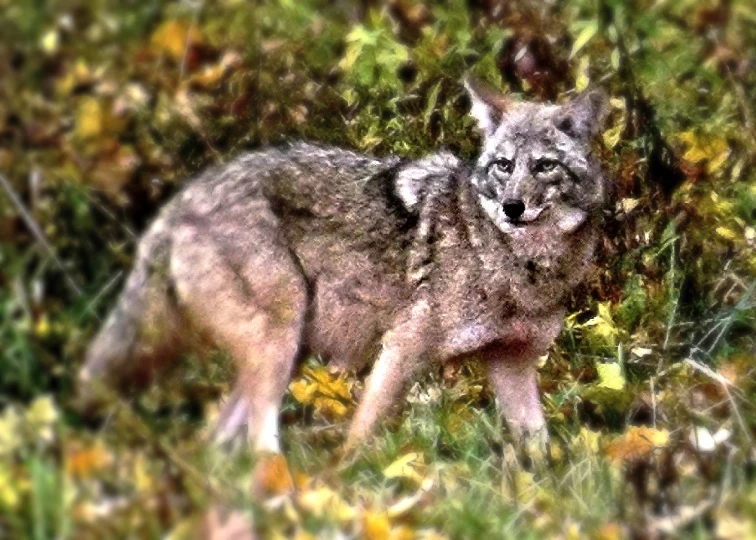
(584, 116)
(488, 105)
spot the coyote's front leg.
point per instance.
(515, 383)
(401, 358)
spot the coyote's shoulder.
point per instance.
(307, 249)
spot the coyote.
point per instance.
(306, 249)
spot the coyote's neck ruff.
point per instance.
(305, 249)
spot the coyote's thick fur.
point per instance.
(286, 252)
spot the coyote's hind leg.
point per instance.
(251, 300)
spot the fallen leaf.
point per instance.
(272, 476)
(375, 526)
(41, 417)
(603, 326)
(727, 233)
(585, 35)
(10, 432)
(324, 501)
(89, 118)
(410, 465)
(211, 76)
(589, 439)
(710, 148)
(82, 462)
(174, 37)
(610, 376)
(628, 205)
(50, 41)
(329, 393)
(583, 79)
(641, 352)
(636, 443)
(9, 492)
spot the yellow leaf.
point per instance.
(330, 408)
(402, 532)
(89, 118)
(9, 492)
(303, 391)
(610, 376)
(50, 41)
(583, 77)
(142, 479)
(325, 502)
(613, 135)
(407, 466)
(589, 439)
(10, 432)
(42, 328)
(636, 443)
(329, 393)
(173, 38)
(710, 148)
(603, 325)
(375, 526)
(727, 233)
(42, 416)
(615, 58)
(585, 35)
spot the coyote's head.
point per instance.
(536, 165)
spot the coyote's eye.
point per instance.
(545, 166)
(501, 166)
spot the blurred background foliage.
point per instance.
(107, 107)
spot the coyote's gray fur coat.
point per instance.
(307, 249)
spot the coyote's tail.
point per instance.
(139, 333)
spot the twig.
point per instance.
(37, 232)
(728, 322)
(182, 68)
(671, 524)
(726, 387)
(653, 401)
(105, 288)
(672, 315)
(109, 214)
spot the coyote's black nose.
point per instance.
(513, 208)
